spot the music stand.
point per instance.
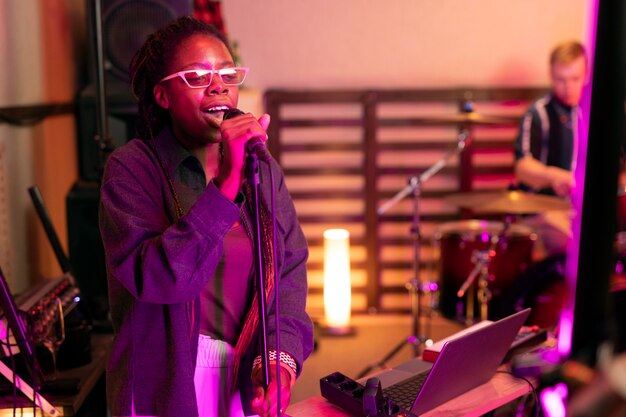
(23, 346)
(414, 286)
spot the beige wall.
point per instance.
(38, 67)
(20, 83)
(55, 153)
(399, 43)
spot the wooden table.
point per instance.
(500, 390)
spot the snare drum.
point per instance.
(457, 241)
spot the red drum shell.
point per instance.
(457, 241)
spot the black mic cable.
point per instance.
(257, 147)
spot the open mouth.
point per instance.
(216, 111)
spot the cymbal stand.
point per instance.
(414, 286)
(482, 260)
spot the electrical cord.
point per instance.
(530, 384)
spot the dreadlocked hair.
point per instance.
(150, 63)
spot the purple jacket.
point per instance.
(157, 267)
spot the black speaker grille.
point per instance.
(126, 26)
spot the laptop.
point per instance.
(464, 363)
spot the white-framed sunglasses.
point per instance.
(201, 78)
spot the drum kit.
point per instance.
(489, 253)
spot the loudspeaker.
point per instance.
(86, 249)
(125, 26)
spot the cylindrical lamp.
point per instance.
(337, 288)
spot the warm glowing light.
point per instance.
(553, 400)
(337, 290)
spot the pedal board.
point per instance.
(348, 394)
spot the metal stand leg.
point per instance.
(482, 259)
(414, 339)
(414, 286)
(484, 297)
(28, 391)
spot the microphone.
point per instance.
(255, 145)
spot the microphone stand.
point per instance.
(102, 138)
(252, 175)
(414, 286)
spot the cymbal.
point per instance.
(471, 118)
(508, 202)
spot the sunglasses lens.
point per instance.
(196, 80)
(232, 76)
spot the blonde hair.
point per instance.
(567, 52)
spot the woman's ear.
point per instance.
(160, 96)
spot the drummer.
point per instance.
(545, 153)
(545, 149)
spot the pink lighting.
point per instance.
(581, 136)
(553, 400)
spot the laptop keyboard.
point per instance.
(405, 392)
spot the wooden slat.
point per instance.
(312, 147)
(371, 216)
(321, 123)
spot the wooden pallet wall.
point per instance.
(345, 153)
